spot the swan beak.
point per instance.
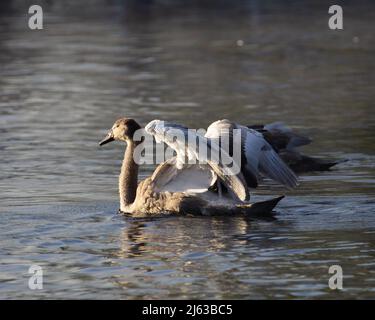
(109, 138)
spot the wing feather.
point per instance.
(190, 179)
(258, 157)
(180, 139)
(262, 158)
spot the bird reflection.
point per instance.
(179, 251)
(176, 236)
(133, 239)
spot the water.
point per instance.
(62, 88)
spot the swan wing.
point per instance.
(187, 145)
(221, 132)
(189, 179)
(257, 155)
(164, 173)
(262, 158)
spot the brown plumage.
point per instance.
(152, 197)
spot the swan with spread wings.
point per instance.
(203, 185)
(236, 155)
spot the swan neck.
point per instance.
(128, 177)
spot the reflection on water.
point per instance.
(108, 256)
(62, 88)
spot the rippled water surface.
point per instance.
(62, 87)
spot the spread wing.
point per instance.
(190, 179)
(194, 149)
(257, 155)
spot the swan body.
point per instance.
(149, 202)
(176, 187)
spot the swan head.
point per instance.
(122, 130)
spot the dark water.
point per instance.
(61, 89)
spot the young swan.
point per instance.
(169, 190)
